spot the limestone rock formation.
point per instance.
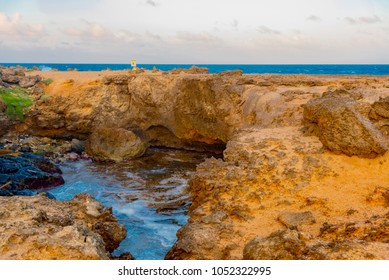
(276, 179)
(114, 144)
(286, 180)
(195, 108)
(342, 129)
(38, 228)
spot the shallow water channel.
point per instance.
(148, 195)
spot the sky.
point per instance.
(195, 31)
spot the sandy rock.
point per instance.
(41, 228)
(114, 144)
(294, 219)
(232, 73)
(342, 93)
(342, 129)
(343, 242)
(29, 81)
(381, 107)
(281, 245)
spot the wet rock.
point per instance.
(294, 219)
(37, 227)
(72, 156)
(25, 149)
(26, 172)
(114, 144)
(342, 129)
(125, 256)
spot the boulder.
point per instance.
(37, 228)
(115, 144)
(29, 81)
(9, 78)
(343, 129)
(77, 146)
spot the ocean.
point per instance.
(325, 69)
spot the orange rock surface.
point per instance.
(279, 183)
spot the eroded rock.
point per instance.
(29, 81)
(38, 228)
(342, 129)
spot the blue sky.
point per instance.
(195, 31)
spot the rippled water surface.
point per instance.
(148, 195)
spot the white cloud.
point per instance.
(200, 37)
(267, 30)
(313, 18)
(151, 3)
(217, 31)
(235, 23)
(363, 20)
(14, 28)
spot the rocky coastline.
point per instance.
(303, 173)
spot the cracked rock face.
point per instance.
(37, 227)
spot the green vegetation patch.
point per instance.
(18, 101)
(47, 81)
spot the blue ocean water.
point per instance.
(325, 69)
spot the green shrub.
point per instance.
(17, 101)
(47, 81)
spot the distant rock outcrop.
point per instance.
(16, 75)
